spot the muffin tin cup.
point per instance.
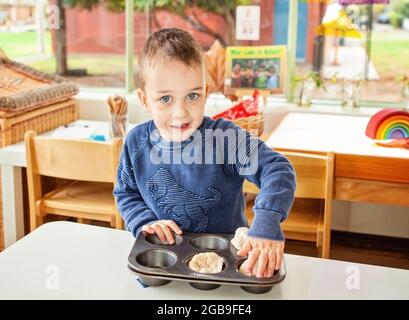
(204, 286)
(157, 264)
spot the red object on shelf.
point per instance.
(245, 108)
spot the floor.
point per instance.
(359, 248)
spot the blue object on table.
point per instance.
(97, 137)
(141, 284)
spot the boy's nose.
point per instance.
(180, 110)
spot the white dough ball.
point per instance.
(206, 262)
(240, 238)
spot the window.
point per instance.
(371, 45)
(95, 40)
(375, 46)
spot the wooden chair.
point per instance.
(311, 214)
(91, 165)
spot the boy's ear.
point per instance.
(142, 98)
(207, 89)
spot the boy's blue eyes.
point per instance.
(190, 97)
(165, 99)
(193, 96)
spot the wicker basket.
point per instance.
(253, 124)
(23, 88)
(40, 120)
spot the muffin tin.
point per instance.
(157, 264)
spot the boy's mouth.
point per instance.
(182, 127)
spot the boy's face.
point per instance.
(175, 95)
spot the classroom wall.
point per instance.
(347, 216)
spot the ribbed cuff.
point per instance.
(266, 224)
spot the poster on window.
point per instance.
(255, 67)
(248, 22)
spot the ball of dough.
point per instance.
(240, 238)
(206, 262)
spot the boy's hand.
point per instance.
(268, 254)
(163, 229)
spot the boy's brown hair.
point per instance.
(170, 43)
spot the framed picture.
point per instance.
(259, 67)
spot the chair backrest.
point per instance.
(314, 174)
(72, 159)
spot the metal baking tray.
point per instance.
(157, 264)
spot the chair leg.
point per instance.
(112, 223)
(326, 245)
(36, 222)
(36, 218)
(118, 222)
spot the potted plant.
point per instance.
(333, 85)
(304, 87)
(351, 92)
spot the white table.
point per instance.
(342, 134)
(67, 260)
(12, 160)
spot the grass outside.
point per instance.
(390, 52)
(23, 44)
(96, 64)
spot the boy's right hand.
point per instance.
(163, 229)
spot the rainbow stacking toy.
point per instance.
(388, 124)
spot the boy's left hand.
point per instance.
(268, 254)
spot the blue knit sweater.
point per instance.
(198, 182)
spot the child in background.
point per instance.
(235, 76)
(272, 82)
(261, 77)
(247, 75)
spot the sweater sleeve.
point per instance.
(131, 205)
(274, 175)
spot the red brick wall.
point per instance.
(211, 21)
(96, 31)
(102, 31)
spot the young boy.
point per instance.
(261, 77)
(161, 189)
(273, 81)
